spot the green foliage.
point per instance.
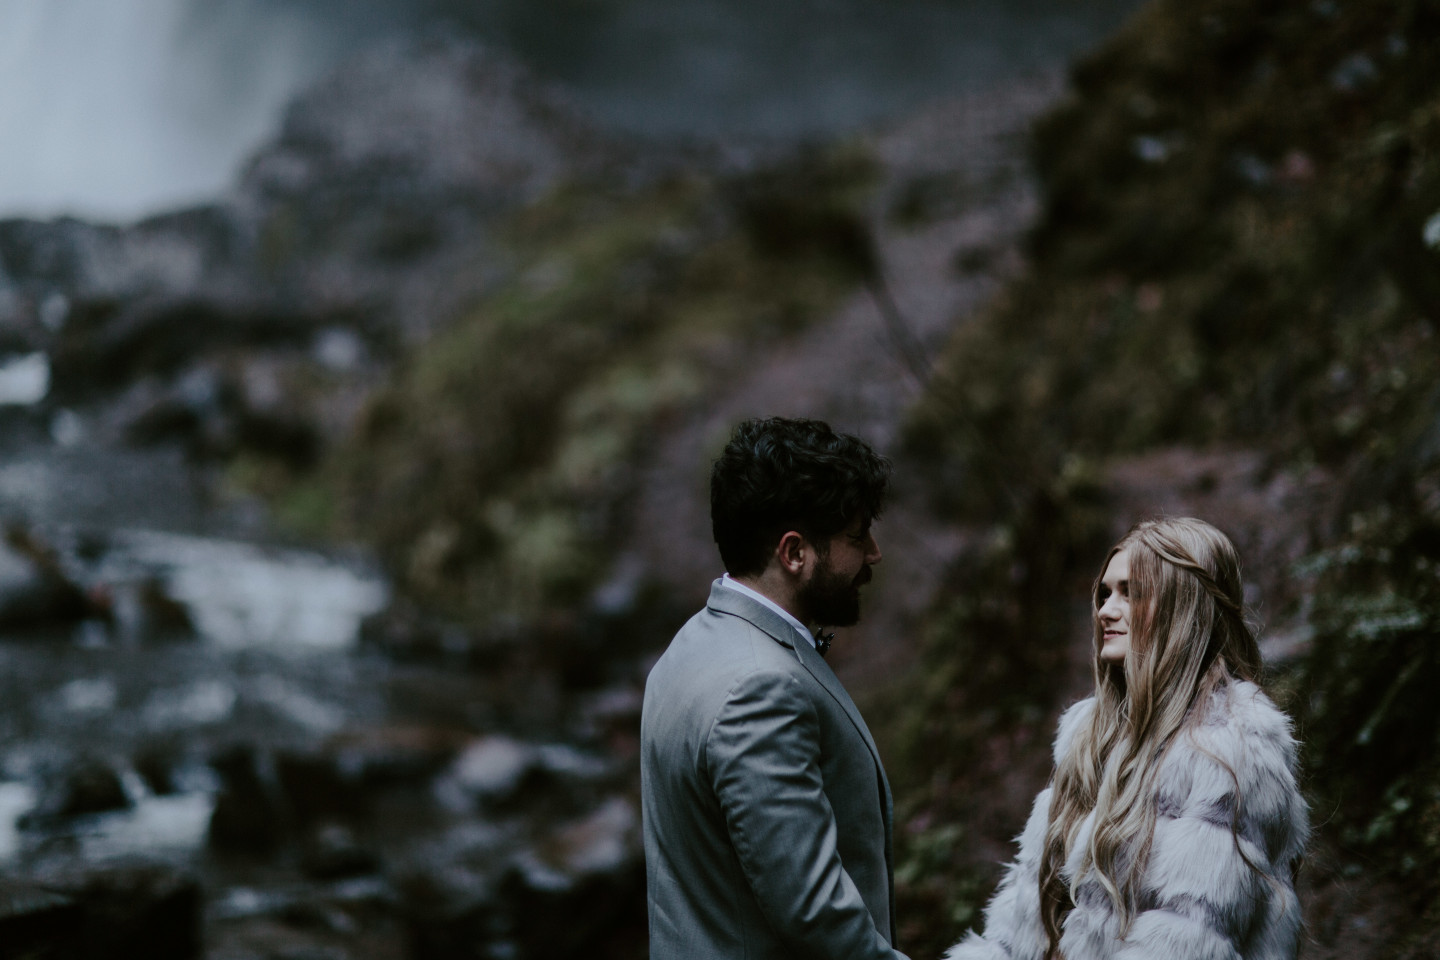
(934, 879)
(1373, 720)
(1239, 245)
(493, 469)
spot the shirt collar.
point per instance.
(758, 597)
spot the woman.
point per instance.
(1172, 827)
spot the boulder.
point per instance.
(331, 851)
(132, 909)
(406, 633)
(316, 787)
(36, 922)
(579, 885)
(380, 756)
(93, 785)
(157, 763)
(249, 817)
(34, 590)
(73, 787)
(449, 894)
(494, 768)
(455, 915)
(500, 775)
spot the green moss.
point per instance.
(493, 470)
(1232, 250)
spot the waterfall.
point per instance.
(112, 109)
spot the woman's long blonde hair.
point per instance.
(1188, 637)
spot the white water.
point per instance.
(240, 595)
(111, 109)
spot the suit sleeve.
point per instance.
(763, 758)
(1013, 928)
(1223, 859)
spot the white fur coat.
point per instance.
(1199, 899)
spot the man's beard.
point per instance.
(830, 599)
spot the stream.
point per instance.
(216, 712)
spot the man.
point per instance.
(767, 813)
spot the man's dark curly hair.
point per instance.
(780, 474)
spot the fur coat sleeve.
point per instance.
(1230, 827)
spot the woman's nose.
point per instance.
(1107, 610)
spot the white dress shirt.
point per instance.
(736, 585)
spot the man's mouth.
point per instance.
(862, 578)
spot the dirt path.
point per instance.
(964, 161)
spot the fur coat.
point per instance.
(1199, 899)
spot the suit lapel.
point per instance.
(725, 600)
(734, 603)
(811, 660)
(821, 671)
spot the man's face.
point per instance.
(831, 596)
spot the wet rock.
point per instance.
(248, 817)
(600, 843)
(156, 764)
(197, 408)
(129, 910)
(161, 616)
(77, 787)
(390, 755)
(494, 768)
(331, 852)
(87, 695)
(92, 786)
(24, 379)
(406, 633)
(500, 775)
(111, 343)
(316, 787)
(199, 703)
(580, 883)
(449, 892)
(455, 915)
(216, 411)
(613, 715)
(485, 891)
(36, 922)
(143, 610)
(571, 765)
(33, 588)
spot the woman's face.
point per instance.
(1114, 611)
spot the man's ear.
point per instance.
(791, 552)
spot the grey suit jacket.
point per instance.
(767, 814)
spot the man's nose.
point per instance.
(872, 551)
